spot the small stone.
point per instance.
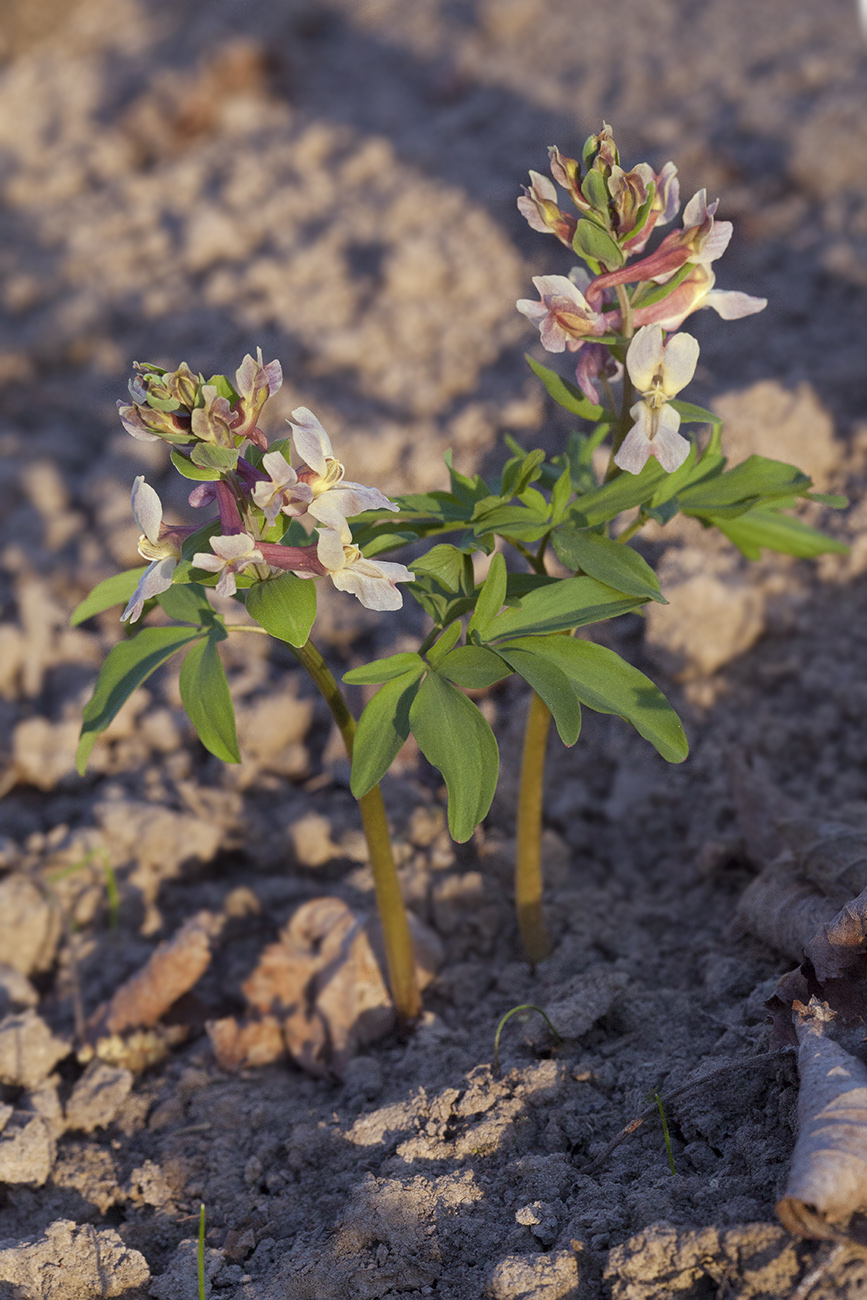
(16, 991)
(29, 1050)
(98, 1096)
(544, 1277)
(68, 1262)
(27, 1151)
(311, 841)
(30, 925)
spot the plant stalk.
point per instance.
(528, 865)
(399, 955)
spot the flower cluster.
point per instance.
(621, 307)
(213, 430)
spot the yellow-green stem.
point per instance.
(528, 865)
(399, 956)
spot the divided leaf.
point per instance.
(208, 700)
(608, 684)
(285, 606)
(383, 728)
(551, 684)
(561, 606)
(616, 565)
(115, 590)
(126, 666)
(455, 737)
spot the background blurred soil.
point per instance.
(335, 181)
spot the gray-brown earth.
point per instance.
(335, 182)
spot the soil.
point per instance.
(335, 182)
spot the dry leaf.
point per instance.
(784, 909)
(831, 854)
(323, 983)
(171, 970)
(826, 1195)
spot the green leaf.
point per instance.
(829, 499)
(754, 479)
(491, 597)
(551, 684)
(691, 414)
(579, 454)
(454, 736)
(285, 606)
(208, 455)
(187, 604)
(451, 567)
(604, 503)
(776, 532)
(385, 541)
(595, 191)
(560, 607)
(382, 730)
(616, 565)
(185, 466)
(605, 682)
(207, 699)
(649, 293)
(564, 393)
(561, 495)
(595, 244)
(126, 666)
(473, 667)
(444, 644)
(520, 472)
(115, 590)
(385, 670)
(224, 388)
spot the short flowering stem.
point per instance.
(528, 865)
(399, 956)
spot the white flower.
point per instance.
(281, 491)
(232, 554)
(372, 581)
(148, 513)
(658, 370)
(334, 499)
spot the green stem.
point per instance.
(528, 864)
(638, 522)
(399, 955)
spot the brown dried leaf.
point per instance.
(831, 854)
(836, 949)
(171, 970)
(826, 1195)
(784, 909)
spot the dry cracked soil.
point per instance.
(335, 181)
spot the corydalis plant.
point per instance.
(619, 314)
(618, 318)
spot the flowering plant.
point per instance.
(619, 318)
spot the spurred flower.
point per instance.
(163, 551)
(538, 204)
(564, 317)
(231, 556)
(658, 370)
(334, 499)
(281, 490)
(372, 581)
(693, 293)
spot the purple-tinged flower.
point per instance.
(372, 581)
(281, 490)
(538, 205)
(334, 499)
(594, 360)
(215, 421)
(658, 370)
(564, 317)
(162, 546)
(231, 556)
(694, 293)
(255, 382)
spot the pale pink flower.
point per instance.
(163, 553)
(232, 554)
(281, 490)
(694, 293)
(563, 316)
(334, 498)
(372, 581)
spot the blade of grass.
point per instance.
(525, 1006)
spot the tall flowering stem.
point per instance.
(528, 861)
(399, 956)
